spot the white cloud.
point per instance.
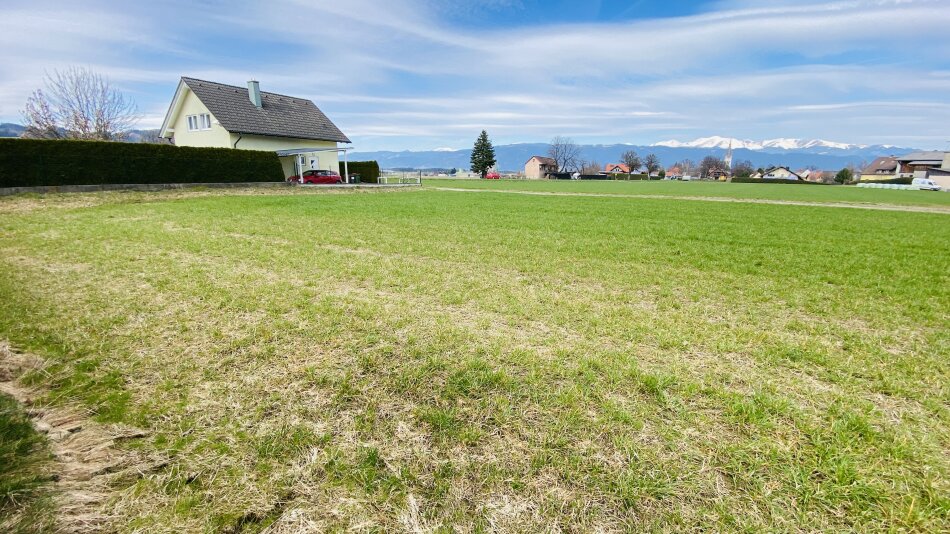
(396, 69)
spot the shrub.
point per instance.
(368, 170)
(35, 162)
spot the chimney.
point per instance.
(254, 93)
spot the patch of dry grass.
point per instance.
(436, 360)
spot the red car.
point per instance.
(493, 176)
(317, 177)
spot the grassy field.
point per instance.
(785, 192)
(424, 360)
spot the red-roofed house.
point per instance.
(618, 168)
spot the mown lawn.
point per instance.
(793, 192)
(425, 359)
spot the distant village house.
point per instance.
(780, 173)
(539, 167)
(618, 168)
(884, 168)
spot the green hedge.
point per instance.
(368, 170)
(568, 176)
(34, 162)
(737, 180)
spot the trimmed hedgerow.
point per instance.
(35, 162)
(570, 176)
(368, 170)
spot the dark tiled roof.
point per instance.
(543, 160)
(280, 115)
(929, 155)
(881, 165)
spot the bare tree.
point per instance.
(631, 160)
(78, 103)
(711, 166)
(743, 169)
(590, 167)
(857, 169)
(565, 152)
(652, 163)
(686, 166)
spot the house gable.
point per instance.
(617, 168)
(203, 132)
(781, 173)
(279, 116)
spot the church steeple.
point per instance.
(728, 159)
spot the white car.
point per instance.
(925, 184)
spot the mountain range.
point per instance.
(794, 153)
(9, 129)
(781, 143)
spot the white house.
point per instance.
(780, 173)
(210, 114)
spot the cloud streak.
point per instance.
(406, 74)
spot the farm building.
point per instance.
(210, 114)
(934, 165)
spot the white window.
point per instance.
(199, 122)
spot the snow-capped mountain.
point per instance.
(770, 153)
(781, 144)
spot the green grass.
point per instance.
(789, 192)
(426, 359)
(25, 465)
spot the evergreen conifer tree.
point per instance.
(483, 155)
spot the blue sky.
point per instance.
(424, 74)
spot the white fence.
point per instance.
(400, 178)
(904, 187)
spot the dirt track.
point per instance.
(88, 463)
(853, 205)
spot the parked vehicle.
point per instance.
(318, 176)
(493, 176)
(925, 184)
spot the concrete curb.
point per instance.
(45, 189)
